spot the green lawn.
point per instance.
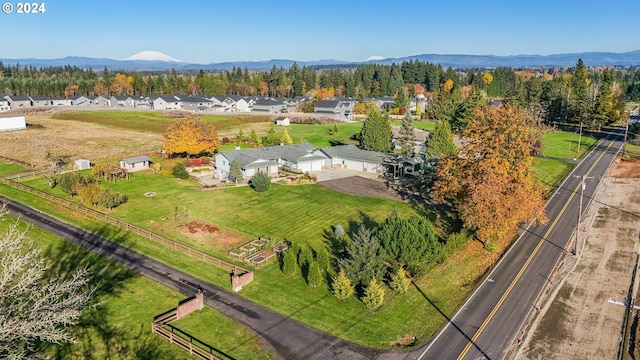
(120, 326)
(565, 144)
(550, 173)
(150, 121)
(632, 151)
(10, 168)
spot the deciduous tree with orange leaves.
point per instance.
(190, 136)
(489, 182)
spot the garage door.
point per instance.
(316, 165)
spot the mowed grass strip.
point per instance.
(151, 121)
(10, 168)
(120, 326)
(549, 173)
(562, 144)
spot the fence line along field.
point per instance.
(76, 139)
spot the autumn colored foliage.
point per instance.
(190, 136)
(489, 181)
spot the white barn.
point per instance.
(13, 123)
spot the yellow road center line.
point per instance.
(526, 264)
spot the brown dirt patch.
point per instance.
(360, 186)
(577, 321)
(625, 169)
(73, 138)
(209, 235)
(195, 227)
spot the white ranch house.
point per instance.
(300, 157)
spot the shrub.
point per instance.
(260, 182)
(399, 281)
(314, 278)
(225, 141)
(305, 257)
(180, 171)
(289, 263)
(373, 295)
(342, 286)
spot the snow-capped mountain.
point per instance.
(150, 55)
(375, 57)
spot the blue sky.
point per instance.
(203, 31)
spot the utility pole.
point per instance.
(579, 138)
(626, 130)
(582, 187)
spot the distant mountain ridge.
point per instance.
(630, 58)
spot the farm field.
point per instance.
(120, 326)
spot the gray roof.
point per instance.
(268, 102)
(19, 98)
(39, 97)
(352, 152)
(327, 103)
(136, 159)
(270, 154)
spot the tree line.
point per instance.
(550, 85)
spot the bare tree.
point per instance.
(55, 163)
(35, 307)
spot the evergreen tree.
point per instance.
(376, 132)
(407, 135)
(338, 231)
(465, 109)
(305, 257)
(373, 295)
(364, 259)
(260, 182)
(342, 286)
(399, 281)
(440, 143)
(271, 139)
(235, 172)
(289, 263)
(322, 258)
(239, 136)
(409, 242)
(314, 277)
(180, 171)
(253, 137)
(579, 92)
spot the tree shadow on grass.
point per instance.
(96, 335)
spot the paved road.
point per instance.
(488, 325)
(291, 339)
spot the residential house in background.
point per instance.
(60, 101)
(81, 101)
(18, 101)
(167, 103)
(39, 101)
(339, 109)
(269, 106)
(300, 157)
(195, 103)
(4, 103)
(99, 101)
(122, 101)
(141, 102)
(135, 163)
(384, 103)
(418, 102)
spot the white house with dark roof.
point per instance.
(167, 103)
(4, 103)
(122, 101)
(99, 101)
(269, 106)
(341, 109)
(18, 101)
(141, 102)
(351, 157)
(60, 101)
(135, 163)
(299, 157)
(80, 101)
(38, 101)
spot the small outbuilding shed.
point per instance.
(135, 163)
(82, 164)
(282, 121)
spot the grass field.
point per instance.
(632, 151)
(446, 286)
(565, 144)
(120, 326)
(9, 168)
(550, 173)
